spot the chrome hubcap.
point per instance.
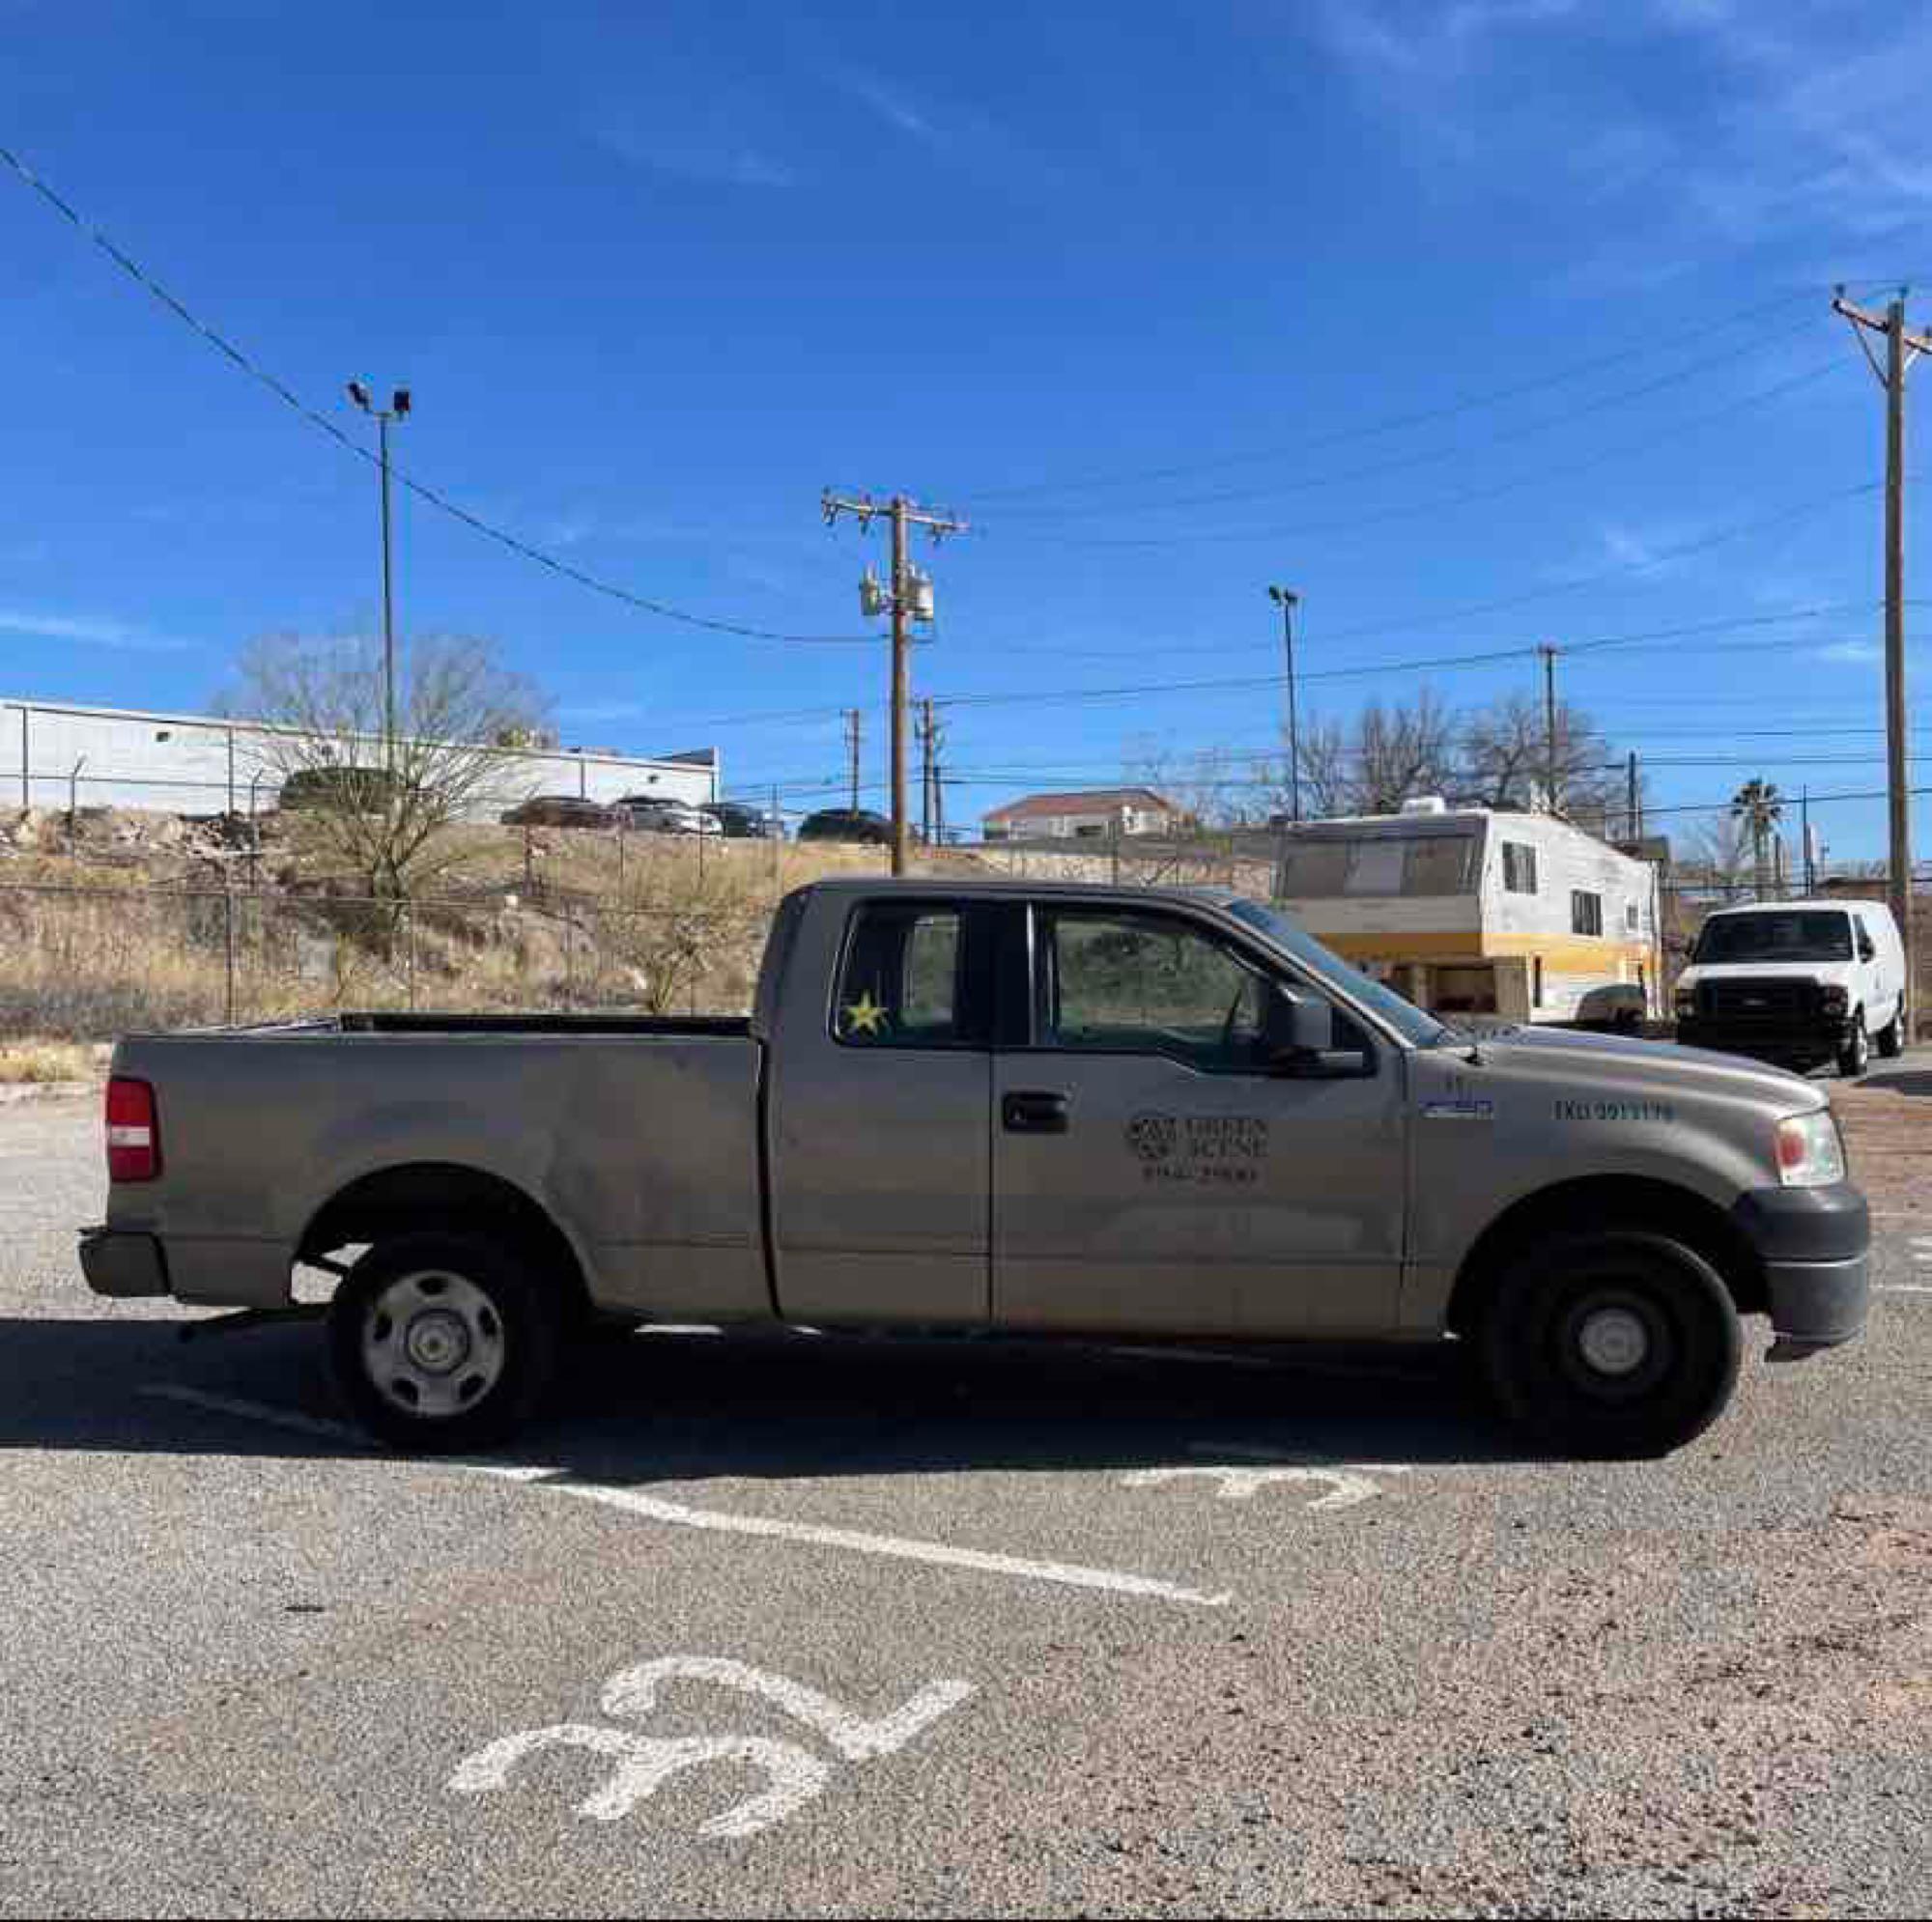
(1613, 1340)
(433, 1345)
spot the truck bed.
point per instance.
(393, 1021)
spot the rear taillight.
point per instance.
(134, 1132)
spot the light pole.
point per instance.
(1286, 603)
(397, 410)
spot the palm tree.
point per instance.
(1759, 807)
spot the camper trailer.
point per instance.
(1468, 912)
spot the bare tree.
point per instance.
(1509, 760)
(380, 806)
(1203, 785)
(1324, 761)
(1400, 752)
(1718, 853)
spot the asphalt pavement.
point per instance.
(849, 1626)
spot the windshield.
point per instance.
(1823, 935)
(1407, 1020)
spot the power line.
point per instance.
(227, 348)
(1395, 423)
(1323, 482)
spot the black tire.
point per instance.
(1564, 1296)
(1892, 1036)
(1855, 1057)
(471, 1300)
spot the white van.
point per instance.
(1798, 982)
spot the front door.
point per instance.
(1150, 1171)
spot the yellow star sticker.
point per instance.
(864, 1016)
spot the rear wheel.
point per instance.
(1612, 1344)
(442, 1342)
(1855, 1057)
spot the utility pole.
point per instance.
(1548, 654)
(909, 598)
(852, 751)
(397, 410)
(1633, 827)
(1901, 350)
(928, 741)
(1288, 603)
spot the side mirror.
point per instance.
(1299, 1037)
(1866, 951)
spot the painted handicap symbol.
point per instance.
(644, 1764)
(1347, 1487)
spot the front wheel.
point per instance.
(1855, 1057)
(1892, 1036)
(1612, 1344)
(442, 1342)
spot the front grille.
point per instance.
(1746, 1002)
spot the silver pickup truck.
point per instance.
(999, 1106)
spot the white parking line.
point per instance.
(633, 1501)
(1901, 1287)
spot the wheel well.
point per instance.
(441, 1195)
(1597, 1202)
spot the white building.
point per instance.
(1096, 815)
(200, 764)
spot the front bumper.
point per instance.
(1817, 1247)
(1805, 1043)
(124, 1264)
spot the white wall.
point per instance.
(189, 764)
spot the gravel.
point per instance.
(243, 1661)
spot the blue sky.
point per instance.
(1481, 323)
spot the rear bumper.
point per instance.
(1817, 1247)
(123, 1264)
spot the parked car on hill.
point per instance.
(847, 824)
(559, 810)
(741, 822)
(664, 814)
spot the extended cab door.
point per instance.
(876, 1129)
(1152, 1171)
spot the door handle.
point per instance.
(1033, 1111)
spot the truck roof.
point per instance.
(943, 883)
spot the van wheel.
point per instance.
(1855, 1057)
(1612, 1344)
(1892, 1036)
(442, 1342)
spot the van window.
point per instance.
(1818, 934)
(1586, 912)
(1377, 868)
(1518, 868)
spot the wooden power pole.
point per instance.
(1901, 350)
(908, 598)
(1550, 797)
(852, 751)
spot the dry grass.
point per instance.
(47, 1060)
(549, 920)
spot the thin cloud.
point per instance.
(1860, 652)
(712, 154)
(87, 632)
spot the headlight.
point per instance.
(1833, 1000)
(1809, 1152)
